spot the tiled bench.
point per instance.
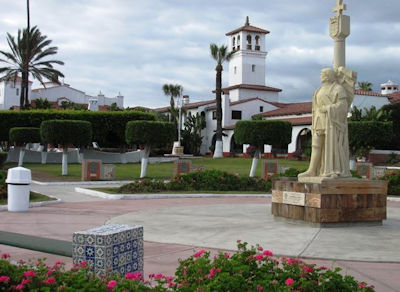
(109, 249)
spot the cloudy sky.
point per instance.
(134, 47)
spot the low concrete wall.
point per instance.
(380, 156)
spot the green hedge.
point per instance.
(3, 158)
(394, 111)
(108, 127)
(66, 132)
(152, 133)
(20, 136)
(366, 135)
(258, 133)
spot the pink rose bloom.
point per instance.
(83, 264)
(25, 281)
(30, 273)
(184, 272)
(259, 288)
(260, 248)
(289, 282)
(50, 281)
(227, 255)
(169, 279)
(362, 285)
(268, 253)
(5, 256)
(308, 269)
(323, 268)
(199, 253)
(133, 276)
(259, 257)
(4, 279)
(158, 276)
(111, 285)
(212, 273)
(20, 287)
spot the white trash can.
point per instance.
(18, 189)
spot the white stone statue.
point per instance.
(330, 146)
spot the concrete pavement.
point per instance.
(174, 228)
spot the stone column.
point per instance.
(339, 30)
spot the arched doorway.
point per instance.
(303, 140)
(235, 148)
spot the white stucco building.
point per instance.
(54, 93)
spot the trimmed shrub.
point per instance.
(367, 135)
(108, 127)
(153, 133)
(20, 136)
(207, 180)
(66, 132)
(3, 158)
(258, 133)
(3, 185)
(393, 110)
(393, 178)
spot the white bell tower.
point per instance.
(247, 65)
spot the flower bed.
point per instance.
(250, 269)
(208, 180)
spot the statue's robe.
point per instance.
(333, 124)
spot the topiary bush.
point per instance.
(108, 127)
(20, 136)
(393, 178)
(66, 132)
(3, 185)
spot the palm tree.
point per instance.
(365, 85)
(219, 54)
(27, 58)
(173, 91)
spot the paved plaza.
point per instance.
(175, 227)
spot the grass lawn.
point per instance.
(34, 197)
(46, 172)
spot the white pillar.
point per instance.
(64, 161)
(254, 163)
(21, 156)
(144, 162)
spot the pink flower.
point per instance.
(227, 255)
(20, 287)
(4, 279)
(111, 285)
(289, 282)
(308, 269)
(30, 273)
(259, 257)
(50, 281)
(199, 253)
(169, 279)
(25, 281)
(268, 253)
(323, 268)
(292, 261)
(83, 264)
(260, 248)
(211, 274)
(5, 256)
(184, 272)
(259, 288)
(362, 285)
(158, 276)
(133, 276)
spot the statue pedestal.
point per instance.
(330, 201)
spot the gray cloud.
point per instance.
(134, 47)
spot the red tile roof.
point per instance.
(394, 97)
(290, 109)
(251, 86)
(297, 121)
(277, 104)
(369, 93)
(191, 105)
(249, 28)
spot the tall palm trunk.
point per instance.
(22, 93)
(218, 151)
(26, 80)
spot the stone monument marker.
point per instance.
(326, 193)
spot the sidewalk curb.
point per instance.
(36, 204)
(71, 183)
(162, 196)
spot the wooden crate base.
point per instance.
(332, 201)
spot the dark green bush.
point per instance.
(258, 133)
(153, 133)
(108, 127)
(208, 180)
(3, 158)
(367, 135)
(66, 132)
(20, 136)
(3, 185)
(393, 110)
(393, 178)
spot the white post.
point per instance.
(145, 160)
(179, 124)
(254, 163)
(44, 154)
(21, 156)
(65, 161)
(218, 151)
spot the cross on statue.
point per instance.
(339, 7)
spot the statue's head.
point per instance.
(327, 75)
